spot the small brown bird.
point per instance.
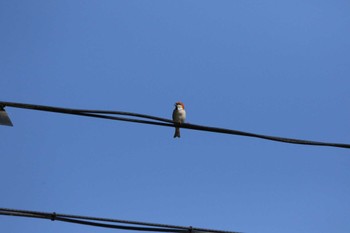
(179, 116)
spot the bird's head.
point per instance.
(179, 105)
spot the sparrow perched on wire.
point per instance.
(179, 116)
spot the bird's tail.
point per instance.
(177, 133)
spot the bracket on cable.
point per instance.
(4, 118)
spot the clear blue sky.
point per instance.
(271, 67)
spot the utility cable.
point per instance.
(95, 221)
(165, 122)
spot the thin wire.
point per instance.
(89, 223)
(166, 122)
(75, 111)
(82, 220)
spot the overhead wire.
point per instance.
(78, 111)
(153, 120)
(98, 222)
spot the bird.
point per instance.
(179, 116)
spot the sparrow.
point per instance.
(179, 116)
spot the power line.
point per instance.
(98, 222)
(155, 121)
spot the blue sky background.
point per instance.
(271, 67)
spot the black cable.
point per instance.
(271, 138)
(91, 221)
(166, 122)
(77, 111)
